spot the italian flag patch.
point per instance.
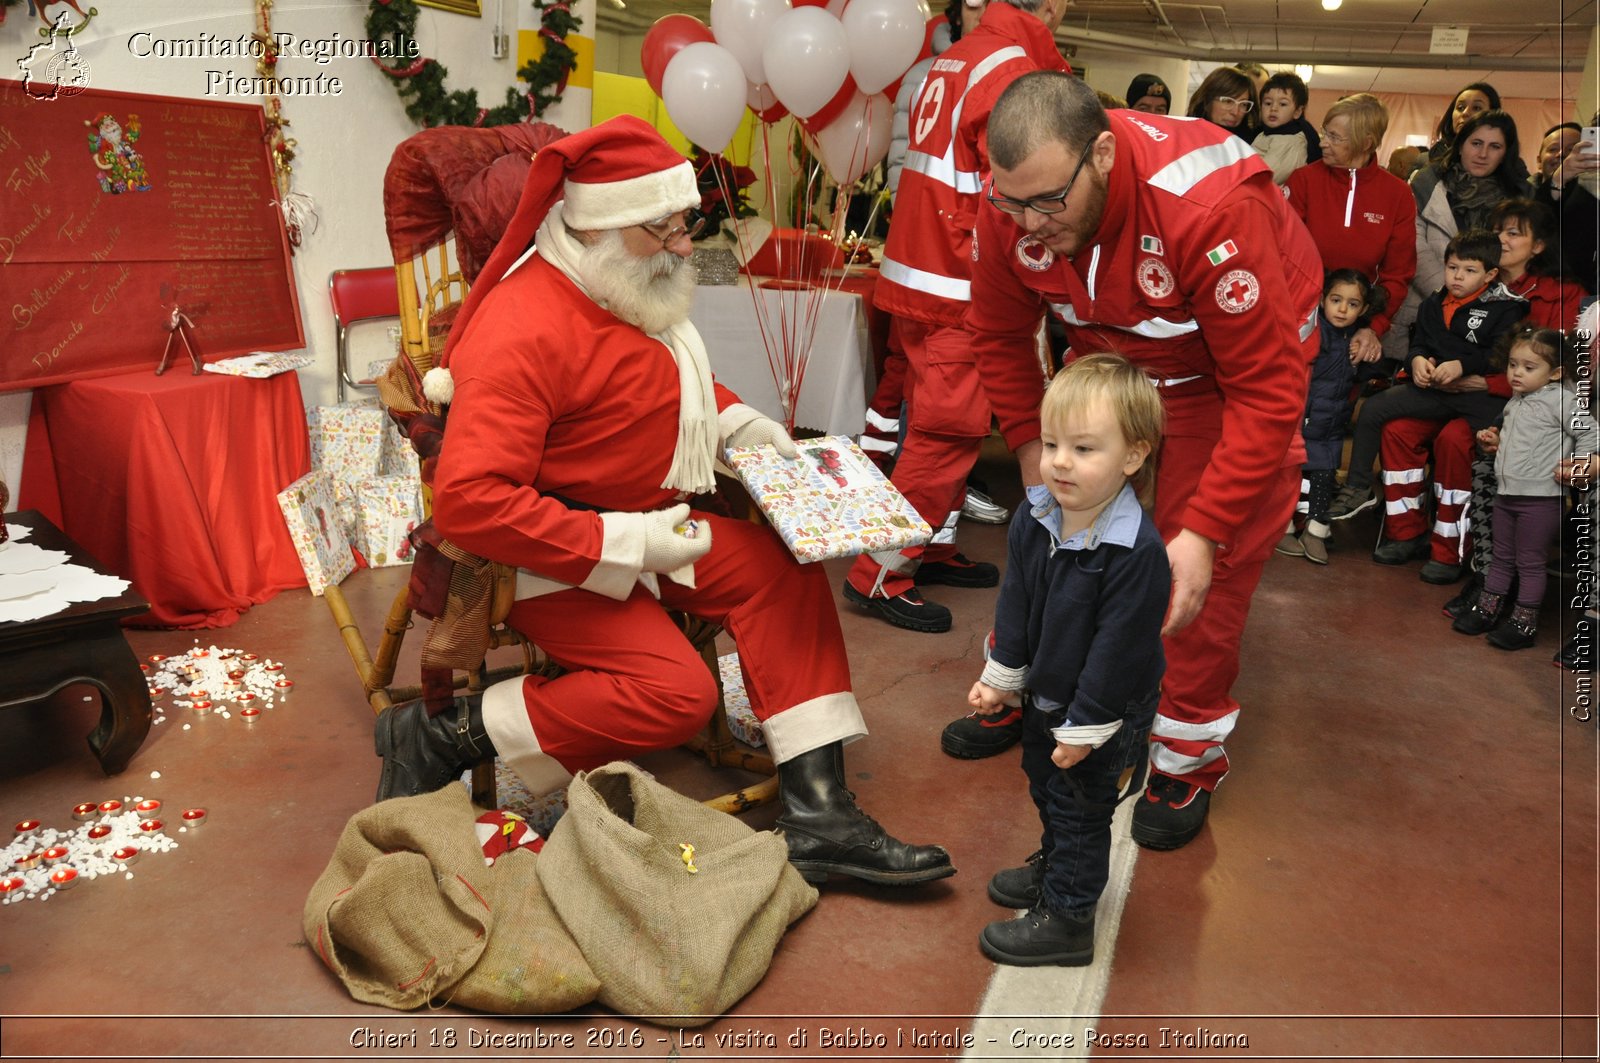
(1222, 252)
(1151, 246)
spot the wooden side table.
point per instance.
(83, 643)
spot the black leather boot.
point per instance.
(827, 833)
(422, 754)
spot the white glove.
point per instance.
(670, 551)
(760, 432)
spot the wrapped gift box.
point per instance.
(347, 440)
(830, 502)
(513, 796)
(312, 515)
(387, 509)
(741, 718)
(344, 497)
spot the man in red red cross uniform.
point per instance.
(924, 281)
(583, 418)
(1165, 241)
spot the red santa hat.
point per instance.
(616, 174)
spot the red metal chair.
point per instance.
(360, 295)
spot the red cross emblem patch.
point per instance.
(1238, 291)
(1034, 255)
(1155, 279)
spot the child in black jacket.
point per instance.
(1349, 302)
(1077, 642)
(1454, 337)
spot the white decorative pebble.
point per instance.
(186, 726)
(155, 775)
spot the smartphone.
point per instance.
(1591, 133)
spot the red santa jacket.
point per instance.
(1363, 219)
(569, 401)
(925, 273)
(1197, 270)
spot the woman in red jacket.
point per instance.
(1361, 216)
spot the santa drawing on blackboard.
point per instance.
(111, 146)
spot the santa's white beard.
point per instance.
(652, 293)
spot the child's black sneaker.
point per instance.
(1041, 938)
(1518, 631)
(974, 737)
(1170, 813)
(1019, 887)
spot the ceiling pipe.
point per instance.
(1412, 60)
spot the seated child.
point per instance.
(1455, 335)
(1077, 640)
(1286, 141)
(1544, 425)
(1349, 302)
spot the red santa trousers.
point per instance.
(1197, 711)
(947, 421)
(1403, 453)
(633, 684)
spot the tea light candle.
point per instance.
(199, 693)
(157, 693)
(27, 826)
(150, 826)
(249, 658)
(198, 652)
(29, 861)
(157, 658)
(245, 698)
(274, 666)
(144, 668)
(127, 854)
(55, 854)
(98, 831)
(64, 877)
(250, 715)
(148, 808)
(11, 884)
(229, 685)
(201, 707)
(285, 685)
(194, 818)
(87, 810)
(111, 808)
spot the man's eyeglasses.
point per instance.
(1245, 106)
(663, 229)
(1054, 203)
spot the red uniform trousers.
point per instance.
(633, 683)
(1197, 710)
(1403, 452)
(881, 438)
(946, 423)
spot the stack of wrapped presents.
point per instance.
(361, 499)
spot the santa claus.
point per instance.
(583, 416)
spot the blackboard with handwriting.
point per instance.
(119, 209)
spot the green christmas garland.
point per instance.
(421, 82)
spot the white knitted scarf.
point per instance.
(693, 458)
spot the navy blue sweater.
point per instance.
(1328, 398)
(1084, 617)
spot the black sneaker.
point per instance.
(1019, 887)
(1350, 501)
(1041, 938)
(1516, 632)
(974, 737)
(959, 571)
(907, 610)
(1400, 551)
(1170, 813)
(1439, 573)
(1473, 622)
(1457, 607)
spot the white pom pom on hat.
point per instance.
(438, 385)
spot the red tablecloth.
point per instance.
(170, 482)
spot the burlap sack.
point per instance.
(406, 911)
(668, 945)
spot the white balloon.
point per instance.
(885, 37)
(704, 89)
(742, 26)
(858, 139)
(807, 58)
(759, 98)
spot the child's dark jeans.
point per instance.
(1076, 805)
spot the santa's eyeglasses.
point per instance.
(669, 227)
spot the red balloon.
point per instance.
(832, 109)
(670, 35)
